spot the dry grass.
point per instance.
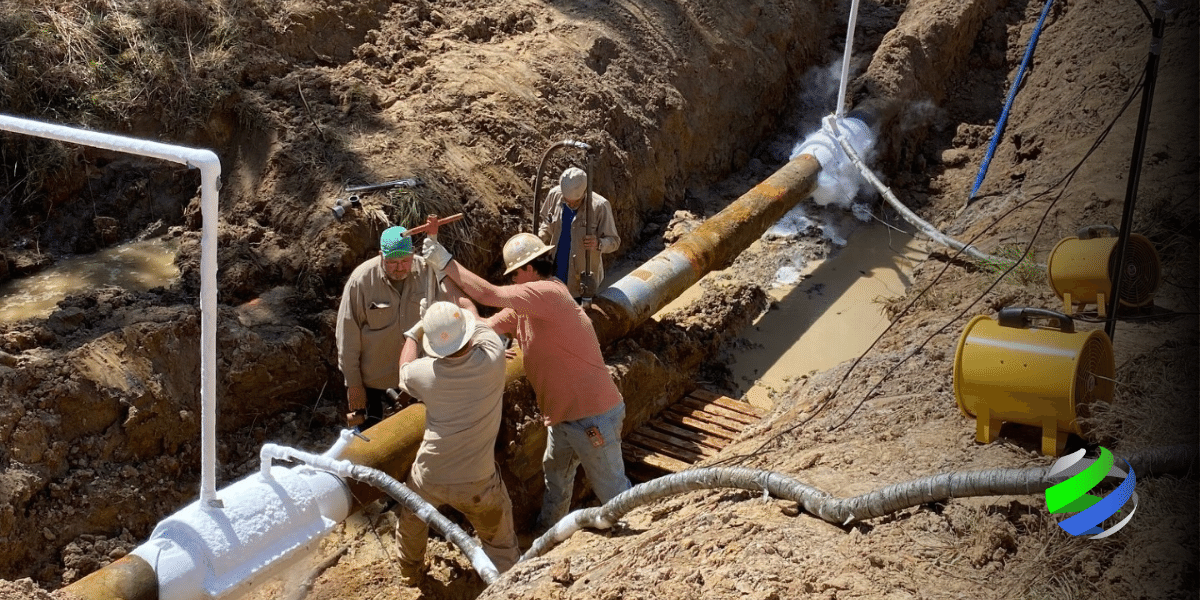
(139, 66)
(1150, 404)
(103, 62)
(410, 206)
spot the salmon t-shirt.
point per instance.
(562, 356)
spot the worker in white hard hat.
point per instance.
(581, 234)
(461, 381)
(578, 399)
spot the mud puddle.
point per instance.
(832, 314)
(134, 266)
(826, 312)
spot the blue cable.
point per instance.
(1012, 93)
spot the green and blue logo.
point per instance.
(1072, 495)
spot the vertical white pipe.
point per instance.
(841, 101)
(210, 174)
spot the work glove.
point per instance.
(415, 332)
(435, 254)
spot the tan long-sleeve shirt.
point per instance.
(601, 224)
(372, 319)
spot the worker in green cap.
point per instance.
(383, 298)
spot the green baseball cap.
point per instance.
(394, 243)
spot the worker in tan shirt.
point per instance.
(580, 234)
(381, 300)
(461, 381)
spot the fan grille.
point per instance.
(1094, 372)
(1141, 271)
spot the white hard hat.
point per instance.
(573, 183)
(522, 248)
(448, 327)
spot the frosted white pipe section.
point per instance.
(267, 524)
(210, 175)
(841, 101)
(399, 492)
(846, 142)
(839, 181)
(335, 451)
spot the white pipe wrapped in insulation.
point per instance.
(266, 524)
(210, 174)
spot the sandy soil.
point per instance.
(691, 103)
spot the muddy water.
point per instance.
(827, 312)
(833, 314)
(134, 266)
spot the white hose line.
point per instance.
(929, 230)
(886, 500)
(398, 491)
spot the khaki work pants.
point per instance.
(486, 505)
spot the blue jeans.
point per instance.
(568, 445)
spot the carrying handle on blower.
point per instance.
(1020, 318)
(1094, 231)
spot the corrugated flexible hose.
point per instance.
(842, 511)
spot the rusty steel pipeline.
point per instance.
(713, 245)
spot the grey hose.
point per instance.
(399, 492)
(929, 230)
(886, 500)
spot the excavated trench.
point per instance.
(104, 391)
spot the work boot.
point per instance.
(411, 575)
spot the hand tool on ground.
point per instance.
(411, 182)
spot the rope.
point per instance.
(1012, 94)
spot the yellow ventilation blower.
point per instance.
(1081, 269)
(1008, 370)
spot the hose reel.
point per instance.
(1009, 370)
(1081, 269)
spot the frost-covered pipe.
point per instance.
(269, 520)
(398, 491)
(210, 174)
(835, 130)
(181, 558)
(886, 500)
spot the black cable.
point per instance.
(1145, 11)
(1150, 76)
